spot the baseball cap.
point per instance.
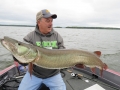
(45, 14)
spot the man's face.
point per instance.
(45, 25)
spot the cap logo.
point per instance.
(47, 11)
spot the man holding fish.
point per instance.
(44, 36)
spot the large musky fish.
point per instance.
(52, 59)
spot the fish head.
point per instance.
(13, 46)
(9, 44)
(21, 51)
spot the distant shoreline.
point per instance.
(73, 27)
(19, 25)
(93, 28)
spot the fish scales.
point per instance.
(54, 62)
(64, 58)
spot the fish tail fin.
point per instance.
(30, 68)
(104, 68)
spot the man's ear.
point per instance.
(38, 22)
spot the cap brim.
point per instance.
(54, 16)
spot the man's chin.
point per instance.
(49, 29)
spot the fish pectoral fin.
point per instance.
(98, 53)
(80, 66)
(30, 68)
(93, 70)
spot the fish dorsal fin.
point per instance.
(98, 53)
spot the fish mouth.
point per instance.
(4, 43)
(8, 45)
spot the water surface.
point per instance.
(107, 41)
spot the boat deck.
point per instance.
(76, 79)
(86, 81)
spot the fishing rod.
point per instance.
(7, 78)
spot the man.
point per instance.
(44, 36)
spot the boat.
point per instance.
(75, 79)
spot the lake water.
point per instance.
(106, 41)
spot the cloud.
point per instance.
(70, 12)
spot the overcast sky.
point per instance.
(105, 13)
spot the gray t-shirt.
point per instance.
(51, 40)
